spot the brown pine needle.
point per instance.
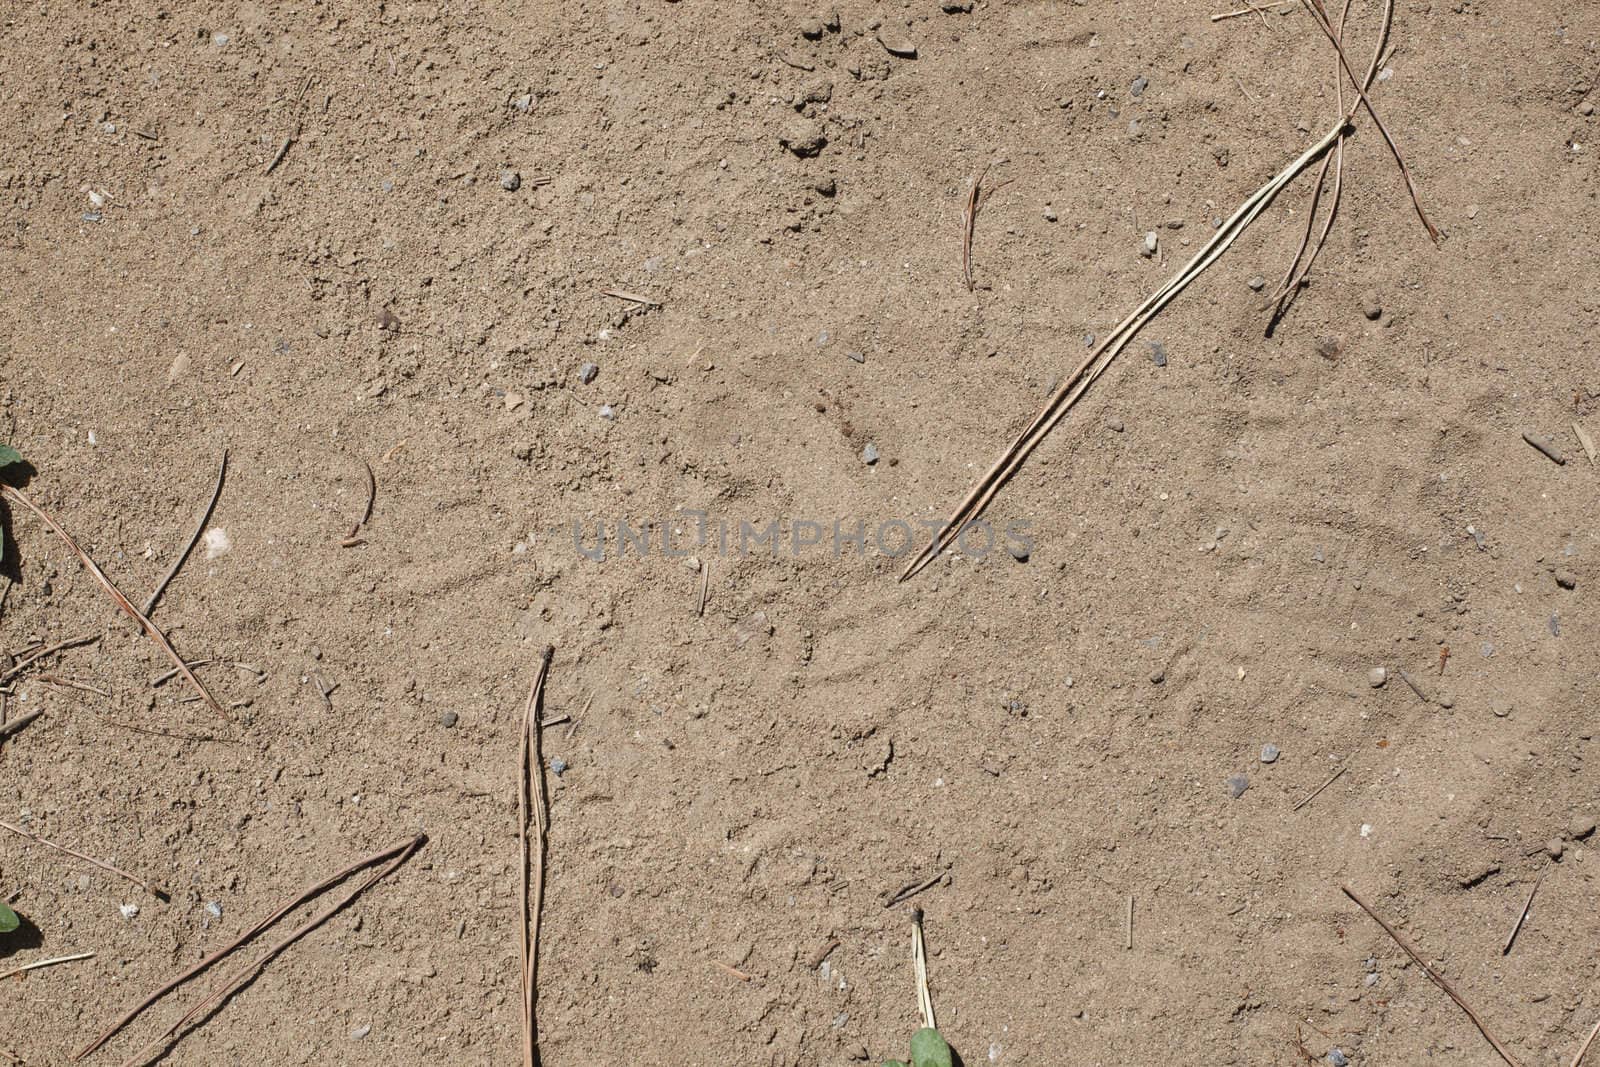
(23, 665)
(1522, 917)
(531, 808)
(1314, 793)
(36, 964)
(149, 887)
(397, 853)
(1438, 979)
(11, 727)
(194, 538)
(121, 601)
(1321, 17)
(1578, 1059)
(1252, 9)
(969, 222)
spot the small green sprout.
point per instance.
(928, 1049)
(8, 920)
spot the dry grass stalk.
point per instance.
(1093, 365)
(194, 538)
(1438, 979)
(121, 601)
(1522, 917)
(532, 808)
(36, 964)
(1578, 1059)
(1320, 14)
(396, 854)
(9, 727)
(919, 959)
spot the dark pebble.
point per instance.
(1158, 353)
(449, 719)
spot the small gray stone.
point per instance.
(1018, 550)
(1158, 353)
(1370, 980)
(1566, 579)
(802, 137)
(1152, 241)
(1257, 283)
(1555, 626)
(1376, 677)
(1370, 306)
(897, 44)
(1115, 425)
(1138, 87)
(869, 455)
(857, 357)
(826, 186)
(1269, 753)
(1237, 785)
(1555, 847)
(1049, 213)
(214, 909)
(955, 7)
(1337, 1058)
(558, 766)
(510, 181)
(1158, 676)
(587, 373)
(360, 1032)
(449, 719)
(812, 29)
(1580, 827)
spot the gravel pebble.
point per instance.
(1555, 848)
(558, 766)
(869, 455)
(449, 719)
(1115, 425)
(128, 910)
(1566, 579)
(1237, 785)
(1257, 283)
(587, 373)
(1376, 677)
(1158, 353)
(1337, 1058)
(608, 412)
(360, 1032)
(1140, 84)
(1019, 551)
(510, 181)
(1152, 241)
(1269, 753)
(1580, 827)
(1370, 306)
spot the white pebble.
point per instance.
(128, 910)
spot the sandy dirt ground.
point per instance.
(1226, 541)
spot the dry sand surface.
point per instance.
(1229, 533)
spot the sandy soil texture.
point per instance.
(327, 236)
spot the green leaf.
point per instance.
(9, 457)
(928, 1049)
(8, 920)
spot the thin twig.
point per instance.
(121, 601)
(705, 588)
(911, 889)
(1128, 926)
(283, 150)
(14, 725)
(736, 972)
(1313, 794)
(1522, 917)
(1438, 979)
(166, 676)
(1252, 9)
(36, 964)
(399, 853)
(67, 683)
(149, 887)
(194, 538)
(969, 221)
(23, 665)
(623, 294)
(530, 795)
